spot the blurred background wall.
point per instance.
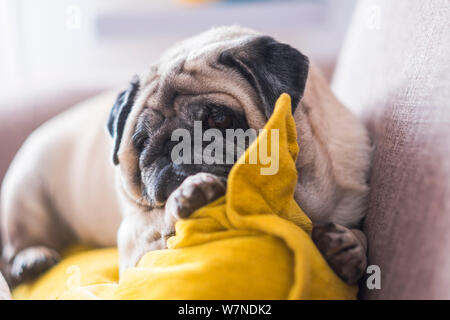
(48, 45)
(55, 53)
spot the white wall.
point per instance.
(97, 43)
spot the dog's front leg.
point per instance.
(344, 249)
(141, 232)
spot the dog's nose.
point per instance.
(159, 195)
(166, 182)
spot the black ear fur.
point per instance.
(272, 68)
(119, 114)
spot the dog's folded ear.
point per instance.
(119, 114)
(271, 67)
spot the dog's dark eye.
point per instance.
(140, 136)
(220, 119)
(140, 140)
(222, 122)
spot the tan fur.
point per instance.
(60, 187)
(334, 156)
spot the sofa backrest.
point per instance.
(394, 71)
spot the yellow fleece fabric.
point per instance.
(253, 243)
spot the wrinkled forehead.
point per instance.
(192, 68)
(198, 53)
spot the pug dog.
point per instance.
(63, 188)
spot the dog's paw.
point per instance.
(31, 262)
(342, 249)
(195, 192)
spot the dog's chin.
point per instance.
(163, 177)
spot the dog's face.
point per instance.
(226, 78)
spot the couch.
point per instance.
(394, 72)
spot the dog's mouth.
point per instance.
(162, 177)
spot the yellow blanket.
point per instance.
(254, 243)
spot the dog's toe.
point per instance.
(195, 192)
(31, 262)
(342, 249)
